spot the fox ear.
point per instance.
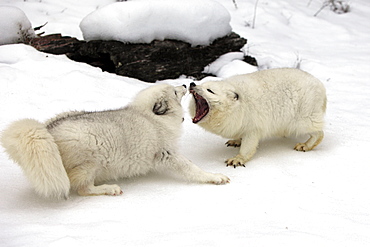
(160, 107)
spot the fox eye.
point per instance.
(209, 90)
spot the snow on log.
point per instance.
(192, 21)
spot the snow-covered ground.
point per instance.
(281, 198)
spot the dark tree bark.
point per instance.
(56, 44)
(158, 60)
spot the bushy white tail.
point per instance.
(29, 143)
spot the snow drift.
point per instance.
(14, 26)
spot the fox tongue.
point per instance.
(202, 107)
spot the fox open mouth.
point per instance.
(201, 107)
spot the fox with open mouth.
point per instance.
(248, 108)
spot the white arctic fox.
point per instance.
(247, 108)
(81, 149)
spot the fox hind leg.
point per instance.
(82, 179)
(311, 143)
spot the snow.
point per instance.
(14, 26)
(229, 64)
(281, 197)
(193, 21)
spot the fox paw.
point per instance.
(219, 179)
(112, 190)
(234, 143)
(105, 189)
(301, 147)
(236, 161)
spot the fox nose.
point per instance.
(192, 85)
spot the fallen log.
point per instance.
(159, 60)
(56, 44)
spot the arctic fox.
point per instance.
(81, 149)
(248, 108)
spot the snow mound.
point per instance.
(14, 26)
(230, 64)
(193, 21)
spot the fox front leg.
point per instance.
(248, 148)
